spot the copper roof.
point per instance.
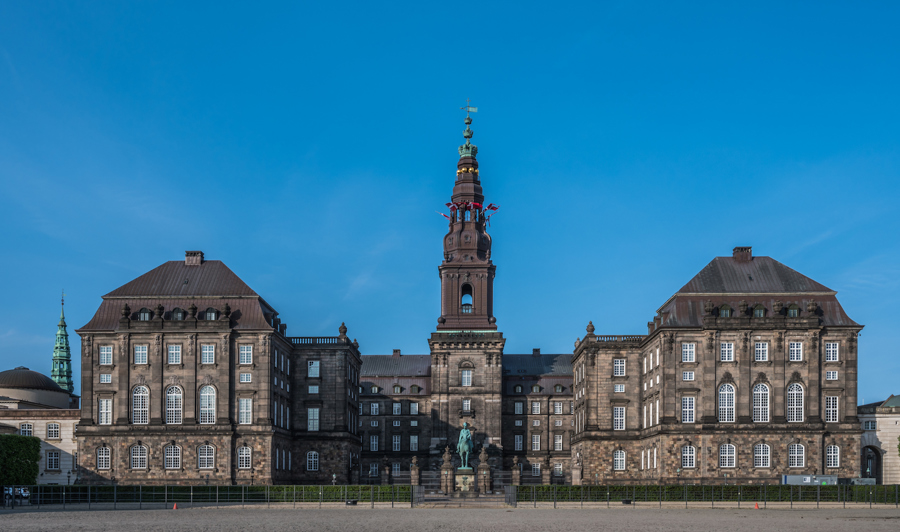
(175, 278)
(22, 377)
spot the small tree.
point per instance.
(19, 457)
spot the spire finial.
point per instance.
(468, 149)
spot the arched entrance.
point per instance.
(871, 463)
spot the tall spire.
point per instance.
(468, 149)
(62, 355)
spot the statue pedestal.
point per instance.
(465, 479)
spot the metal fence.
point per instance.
(140, 497)
(749, 496)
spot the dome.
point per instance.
(22, 377)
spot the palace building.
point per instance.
(746, 373)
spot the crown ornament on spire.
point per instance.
(468, 149)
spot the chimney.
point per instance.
(193, 258)
(396, 353)
(743, 254)
(536, 352)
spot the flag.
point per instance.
(476, 205)
(492, 207)
(444, 215)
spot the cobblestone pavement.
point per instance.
(399, 520)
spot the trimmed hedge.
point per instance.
(19, 457)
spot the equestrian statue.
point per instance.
(464, 446)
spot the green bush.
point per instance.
(19, 457)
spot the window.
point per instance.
(466, 300)
(795, 351)
(831, 409)
(726, 403)
(517, 388)
(557, 408)
(414, 409)
(396, 423)
(139, 457)
(413, 423)
(140, 354)
(52, 459)
(144, 315)
(414, 442)
(26, 429)
(395, 443)
(536, 423)
(832, 456)
(313, 389)
(245, 354)
(557, 442)
(619, 460)
(207, 354)
(519, 443)
(688, 456)
(207, 405)
(245, 411)
(618, 418)
(206, 457)
(558, 469)
(374, 389)
(373, 423)
(312, 419)
(761, 351)
(618, 367)
(726, 455)
(103, 458)
(246, 377)
(831, 352)
(105, 378)
(831, 375)
(761, 455)
(558, 388)
(466, 377)
(178, 314)
(536, 389)
(687, 352)
(687, 409)
(209, 314)
(373, 442)
(174, 354)
(557, 423)
(867, 425)
(759, 312)
(724, 311)
(535, 407)
(619, 388)
(373, 409)
(687, 375)
(518, 423)
(535, 470)
(396, 410)
(105, 355)
(396, 389)
(761, 403)
(795, 403)
(796, 455)
(174, 405)
(467, 405)
(172, 457)
(140, 405)
(726, 352)
(793, 311)
(535, 442)
(519, 407)
(52, 431)
(373, 469)
(105, 412)
(244, 458)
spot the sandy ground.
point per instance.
(399, 520)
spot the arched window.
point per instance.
(535, 389)
(140, 405)
(796, 455)
(832, 456)
(517, 388)
(174, 405)
(206, 457)
(144, 314)
(396, 388)
(178, 314)
(467, 299)
(726, 455)
(207, 405)
(759, 311)
(795, 403)
(724, 311)
(139, 457)
(243, 457)
(210, 314)
(688, 456)
(619, 460)
(172, 457)
(793, 311)
(760, 403)
(103, 458)
(312, 461)
(761, 455)
(726, 403)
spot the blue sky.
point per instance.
(307, 145)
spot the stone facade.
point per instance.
(59, 449)
(880, 444)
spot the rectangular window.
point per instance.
(726, 352)
(796, 455)
(761, 455)
(208, 354)
(518, 423)
(535, 407)
(105, 411)
(466, 377)
(245, 354)
(312, 419)
(687, 352)
(831, 409)
(687, 409)
(619, 460)
(373, 409)
(557, 408)
(831, 375)
(535, 470)
(467, 405)
(619, 388)
(312, 369)
(618, 418)
(519, 442)
(687, 375)
(53, 431)
(246, 377)
(761, 351)
(536, 423)
(414, 423)
(795, 351)
(313, 389)
(396, 410)
(557, 423)
(519, 407)
(414, 442)
(174, 354)
(52, 459)
(396, 423)
(373, 423)
(558, 469)
(833, 456)
(245, 411)
(103, 458)
(831, 351)
(867, 425)
(105, 378)
(535, 442)
(140, 354)
(395, 443)
(105, 355)
(414, 409)
(26, 429)
(557, 442)
(618, 367)
(373, 443)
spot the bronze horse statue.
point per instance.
(464, 446)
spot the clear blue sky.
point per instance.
(308, 145)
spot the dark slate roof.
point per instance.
(246, 313)
(212, 278)
(537, 365)
(22, 377)
(759, 275)
(389, 365)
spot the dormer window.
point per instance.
(517, 388)
(144, 315)
(396, 388)
(724, 311)
(793, 311)
(210, 314)
(466, 301)
(558, 388)
(759, 311)
(414, 388)
(374, 389)
(178, 314)
(535, 389)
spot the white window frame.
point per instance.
(140, 353)
(688, 352)
(397, 408)
(53, 431)
(467, 405)
(687, 375)
(519, 408)
(245, 354)
(245, 411)
(761, 352)
(246, 377)
(688, 457)
(207, 405)
(413, 409)
(619, 388)
(106, 355)
(688, 404)
(795, 400)
(138, 456)
(172, 457)
(373, 409)
(312, 419)
(105, 378)
(557, 442)
(832, 350)
(314, 369)
(761, 403)
(535, 442)
(618, 460)
(762, 455)
(245, 457)
(618, 418)
(726, 352)
(796, 455)
(535, 407)
(373, 443)
(174, 354)
(206, 457)
(831, 375)
(26, 429)
(174, 405)
(140, 405)
(618, 367)
(832, 456)
(465, 377)
(831, 409)
(727, 456)
(557, 408)
(207, 353)
(104, 458)
(104, 410)
(795, 351)
(536, 470)
(726, 402)
(395, 443)
(53, 460)
(519, 442)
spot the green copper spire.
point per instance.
(468, 149)
(62, 356)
